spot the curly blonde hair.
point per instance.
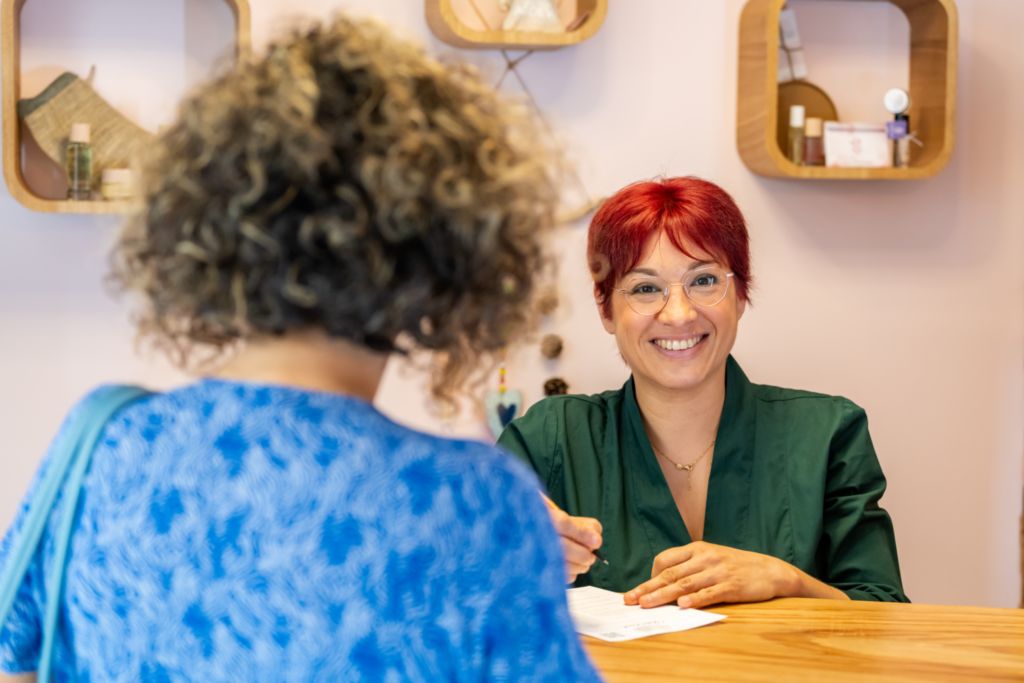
(343, 182)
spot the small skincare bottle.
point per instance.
(814, 145)
(78, 158)
(795, 148)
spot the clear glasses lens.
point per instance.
(704, 287)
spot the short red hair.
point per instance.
(687, 209)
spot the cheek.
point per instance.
(727, 323)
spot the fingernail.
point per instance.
(685, 602)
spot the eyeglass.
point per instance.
(704, 286)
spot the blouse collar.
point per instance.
(728, 501)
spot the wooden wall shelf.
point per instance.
(446, 25)
(10, 26)
(933, 58)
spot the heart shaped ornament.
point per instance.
(501, 408)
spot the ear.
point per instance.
(608, 323)
(741, 307)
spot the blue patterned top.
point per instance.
(233, 531)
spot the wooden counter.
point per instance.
(796, 639)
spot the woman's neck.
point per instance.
(308, 360)
(678, 422)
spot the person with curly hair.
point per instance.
(310, 214)
(711, 488)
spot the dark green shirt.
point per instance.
(794, 475)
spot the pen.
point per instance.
(551, 504)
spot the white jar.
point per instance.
(117, 183)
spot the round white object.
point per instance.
(896, 101)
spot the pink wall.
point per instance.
(906, 297)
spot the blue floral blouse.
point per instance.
(234, 531)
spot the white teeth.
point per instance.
(678, 344)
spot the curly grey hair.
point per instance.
(344, 182)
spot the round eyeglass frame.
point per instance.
(666, 293)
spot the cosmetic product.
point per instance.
(856, 145)
(78, 162)
(795, 147)
(897, 102)
(899, 129)
(814, 144)
(116, 183)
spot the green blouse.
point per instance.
(794, 475)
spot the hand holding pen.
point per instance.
(581, 537)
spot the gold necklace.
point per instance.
(686, 468)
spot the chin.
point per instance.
(683, 384)
(693, 375)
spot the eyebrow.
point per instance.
(651, 271)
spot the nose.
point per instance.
(678, 308)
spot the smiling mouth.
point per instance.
(679, 344)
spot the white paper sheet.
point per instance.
(601, 614)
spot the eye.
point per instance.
(645, 288)
(704, 280)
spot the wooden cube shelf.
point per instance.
(933, 58)
(446, 24)
(10, 25)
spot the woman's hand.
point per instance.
(581, 536)
(700, 574)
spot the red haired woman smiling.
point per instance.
(698, 486)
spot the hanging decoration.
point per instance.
(551, 346)
(501, 406)
(556, 386)
(547, 302)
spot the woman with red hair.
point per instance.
(698, 486)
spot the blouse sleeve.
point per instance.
(529, 438)
(858, 542)
(529, 635)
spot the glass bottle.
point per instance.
(795, 150)
(814, 144)
(78, 161)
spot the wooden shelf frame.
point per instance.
(933, 61)
(10, 37)
(445, 24)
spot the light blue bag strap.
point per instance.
(71, 462)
